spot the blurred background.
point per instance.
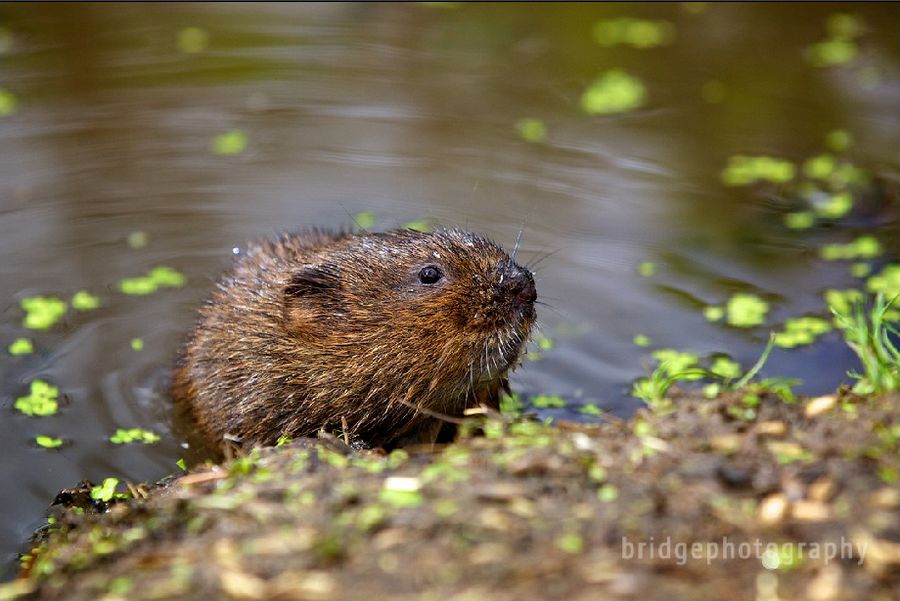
(661, 157)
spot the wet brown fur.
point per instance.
(315, 330)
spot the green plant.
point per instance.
(869, 334)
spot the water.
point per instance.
(408, 111)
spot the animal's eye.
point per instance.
(430, 275)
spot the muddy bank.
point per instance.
(526, 511)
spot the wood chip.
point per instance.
(770, 428)
(772, 509)
(810, 511)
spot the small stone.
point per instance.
(770, 428)
(820, 405)
(810, 511)
(822, 490)
(885, 498)
(772, 509)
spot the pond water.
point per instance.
(144, 135)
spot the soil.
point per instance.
(517, 509)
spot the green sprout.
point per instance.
(869, 335)
(41, 400)
(613, 92)
(106, 491)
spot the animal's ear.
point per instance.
(312, 301)
(312, 280)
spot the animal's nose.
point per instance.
(519, 283)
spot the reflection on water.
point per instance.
(201, 126)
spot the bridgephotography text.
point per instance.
(772, 555)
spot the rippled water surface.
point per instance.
(110, 117)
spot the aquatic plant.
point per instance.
(871, 337)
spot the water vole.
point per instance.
(376, 333)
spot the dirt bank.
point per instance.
(527, 511)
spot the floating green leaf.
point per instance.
(85, 301)
(21, 346)
(864, 247)
(802, 330)
(548, 401)
(41, 400)
(230, 143)
(48, 442)
(41, 312)
(192, 40)
(131, 435)
(726, 368)
(742, 170)
(887, 281)
(839, 140)
(181, 464)
(746, 310)
(590, 409)
(639, 33)
(800, 220)
(418, 226)
(365, 220)
(531, 130)
(8, 103)
(613, 92)
(137, 239)
(158, 277)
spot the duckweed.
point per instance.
(511, 404)
(887, 281)
(137, 344)
(613, 92)
(800, 220)
(743, 170)
(591, 409)
(8, 103)
(131, 435)
(156, 278)
(839, 140)
(401, 492)
(819, 167)
(641, 340)
(21, 346)
(41, 312)
(746, 310)
(531, 130)
(676, 361)
(548, 401)
(647, 269)
(417, 226)
(835, 205)
(638, 33)
(725, 368)
(365, 220)
(85, 301)
(137, 240)
(801, 330)
(230, 143)
(545, 344)
(860, 270)
(608, 493)
(48, 442)
(714, 313)
(192, 40)
(41, 400)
